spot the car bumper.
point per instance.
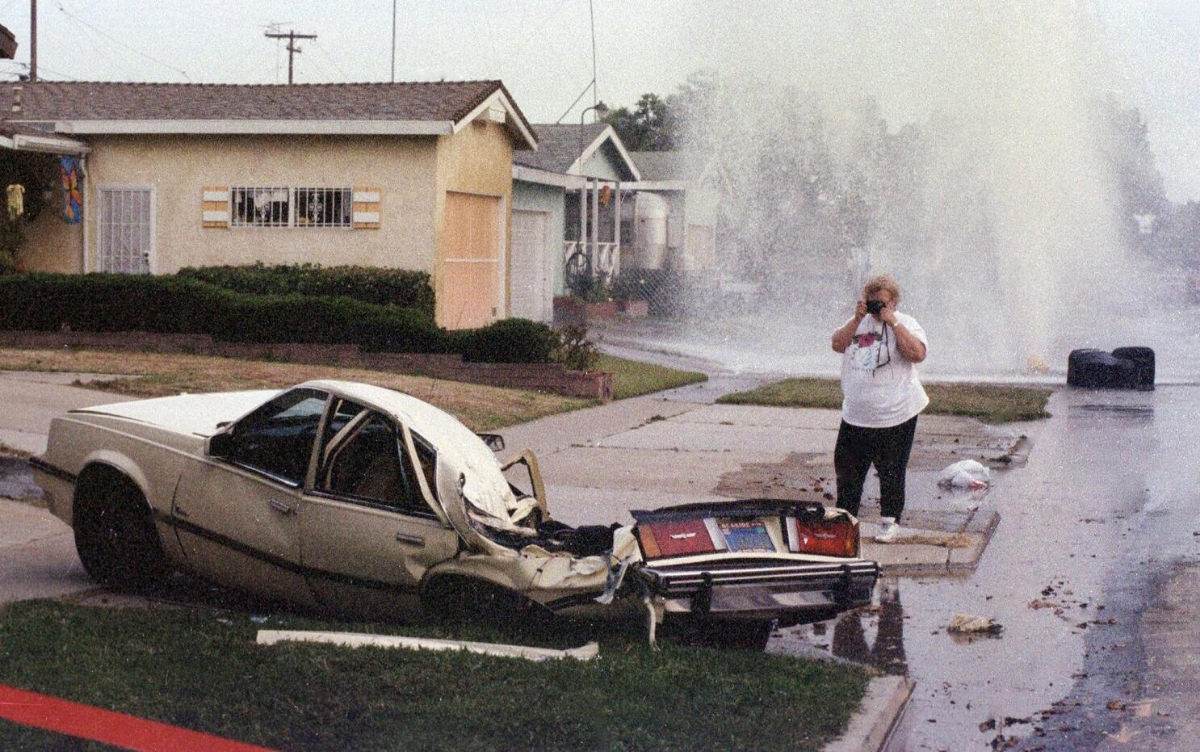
(757, 590)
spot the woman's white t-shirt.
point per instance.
(880, 388)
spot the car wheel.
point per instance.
(578, 273)
(115, 535)
(463, 599)
(712, 633)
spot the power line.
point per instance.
(118, 42)
(321, 47)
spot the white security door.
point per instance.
(531, 288)
(126, 231)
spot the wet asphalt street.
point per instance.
(1091, 574)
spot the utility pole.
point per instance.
(292, 49)
(32, 40)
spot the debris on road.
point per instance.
(973, 625)
(965, 474)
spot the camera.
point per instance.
(874, 306)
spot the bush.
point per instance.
(577, 352)
(118, 302)
(510, 341)
(397, 287)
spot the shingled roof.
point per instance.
(74, 104)
(559, 147)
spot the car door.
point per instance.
(237, 514)
(369, 530)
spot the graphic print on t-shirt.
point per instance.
(864, 351)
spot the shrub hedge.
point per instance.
(181, 304)
(119, 302)
(509, 341)
(398, 287)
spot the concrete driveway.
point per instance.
(32, 399)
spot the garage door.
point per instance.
(471, 271)
(530, 285)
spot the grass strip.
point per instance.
(632, 378)
(990, 403)
(199, 668)
(479, 406)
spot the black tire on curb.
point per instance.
(1143, 362)
(1096, 369)
(114, 533)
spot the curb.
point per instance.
(881, 710)
(956, 562)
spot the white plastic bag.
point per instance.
(965, 474)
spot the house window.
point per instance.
(324, 207)
(290, 207)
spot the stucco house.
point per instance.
(567, 205)
(405, 175)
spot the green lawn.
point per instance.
(990, 403)
(199, 668)
(632, 378)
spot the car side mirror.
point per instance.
(494, 441)
(220, 445)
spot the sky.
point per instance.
(911, 55)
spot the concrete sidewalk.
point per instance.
(658, 450)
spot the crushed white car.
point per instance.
(362, 500)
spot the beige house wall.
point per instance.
(476, 160)
(178, 168)
(414, 175)
(52, 245)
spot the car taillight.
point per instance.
(679, 538)
(837, 537)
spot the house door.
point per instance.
(126, 230)
(471, 270)
(531, 275)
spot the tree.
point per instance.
(650, 126)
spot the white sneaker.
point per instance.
(888, 530)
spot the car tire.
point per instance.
(463, 599)
(1143, 362)
(115, 535)
(712, 633)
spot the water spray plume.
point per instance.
(959, 146)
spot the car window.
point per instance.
(427, 457)
(277, 438)
(369, 464)
(343, 413)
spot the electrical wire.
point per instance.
(321, 47)
(119, 43)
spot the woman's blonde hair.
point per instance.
(882, 282)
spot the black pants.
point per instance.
(886, 448)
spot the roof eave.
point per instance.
(608, 134)
(514, 121)
(256, 127)
(546, 177)
(48, 143)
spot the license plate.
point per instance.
(746, 535)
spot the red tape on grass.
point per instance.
(116, 729)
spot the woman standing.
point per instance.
(882, 396)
